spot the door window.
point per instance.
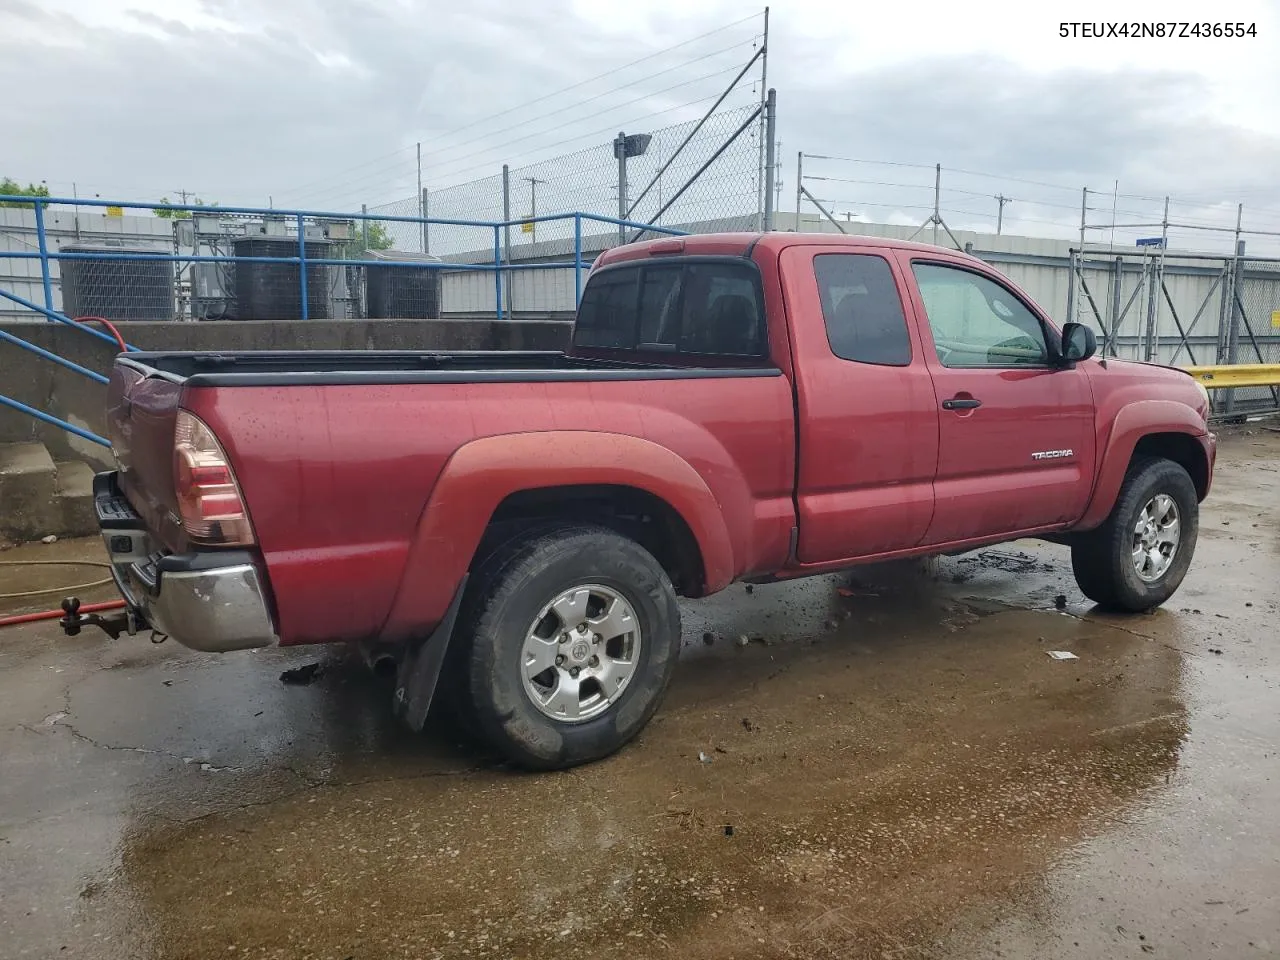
(976, 322)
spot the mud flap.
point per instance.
(419, 669)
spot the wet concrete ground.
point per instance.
(897, 770)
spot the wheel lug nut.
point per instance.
(582, 628)
(593, 662)
(559, 660)
(597, 638)
(573, 672)
(564, 638)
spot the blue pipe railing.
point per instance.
(39, 351)
(501, 270)
(49, 418)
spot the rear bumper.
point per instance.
(214, 601)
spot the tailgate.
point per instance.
(142, 408)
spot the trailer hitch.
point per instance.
(114, 624)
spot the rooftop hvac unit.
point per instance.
(117, 289)
(402, 292)
(271, 291)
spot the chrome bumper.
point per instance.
(214, 601)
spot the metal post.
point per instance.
(1148, 337)
(1233, 328)
(765, 96)
(497, 271)
(770, 129)
(533, 207)
(937, 200)
(1002, 200)
(799, 183)
(42, 241)
(302, 265)
(506, 231)
(1071, 287)
(620, 147)
(364, 230)
(1224, 311)
(420, 213)
(1153, 318)
(577, 260)
(1117, 289)
(1084, 204)
(426, 215)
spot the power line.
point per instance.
(549, 146)
(573, 86)
(495, 147)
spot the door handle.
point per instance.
(961, 403)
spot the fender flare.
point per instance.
(484, 472)
(1133, 422)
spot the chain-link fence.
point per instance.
(716, 175)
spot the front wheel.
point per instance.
(1138, 557)
(574, 632)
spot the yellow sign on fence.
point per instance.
(526, 227)
(115, 211)
(1275, 319)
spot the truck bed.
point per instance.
(261, 368)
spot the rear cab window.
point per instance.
(862, 309)
(706, 307)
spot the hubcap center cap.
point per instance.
(580, 652)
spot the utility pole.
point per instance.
(421, 213)
(1002, 200)
(533, 205)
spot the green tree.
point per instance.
(378, 239)
(12, 188)
(180, 214)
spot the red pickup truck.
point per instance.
(515, 527)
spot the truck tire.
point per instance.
(572, 634)
(1138, 557)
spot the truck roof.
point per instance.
(738, 243)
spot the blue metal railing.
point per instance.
(501, 270)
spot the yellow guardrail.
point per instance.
(1237, 375)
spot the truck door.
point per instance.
(1016, 436)
(868, 421)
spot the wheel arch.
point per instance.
(613, 479)
(1141, 429)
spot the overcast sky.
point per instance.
(320, 102)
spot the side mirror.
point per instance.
(1078, 343)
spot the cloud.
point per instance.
(321, 101)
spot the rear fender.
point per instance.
(1133, 422)
(483, 473)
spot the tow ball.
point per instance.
(113, 624)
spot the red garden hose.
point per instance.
(111, 328)
(58, 614)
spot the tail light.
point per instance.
(209, 500)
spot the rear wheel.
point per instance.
(573, 633)
(1140, 554)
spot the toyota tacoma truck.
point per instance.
(514, 528)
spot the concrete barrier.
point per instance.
(47, 386)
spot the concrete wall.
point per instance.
(54, 389)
